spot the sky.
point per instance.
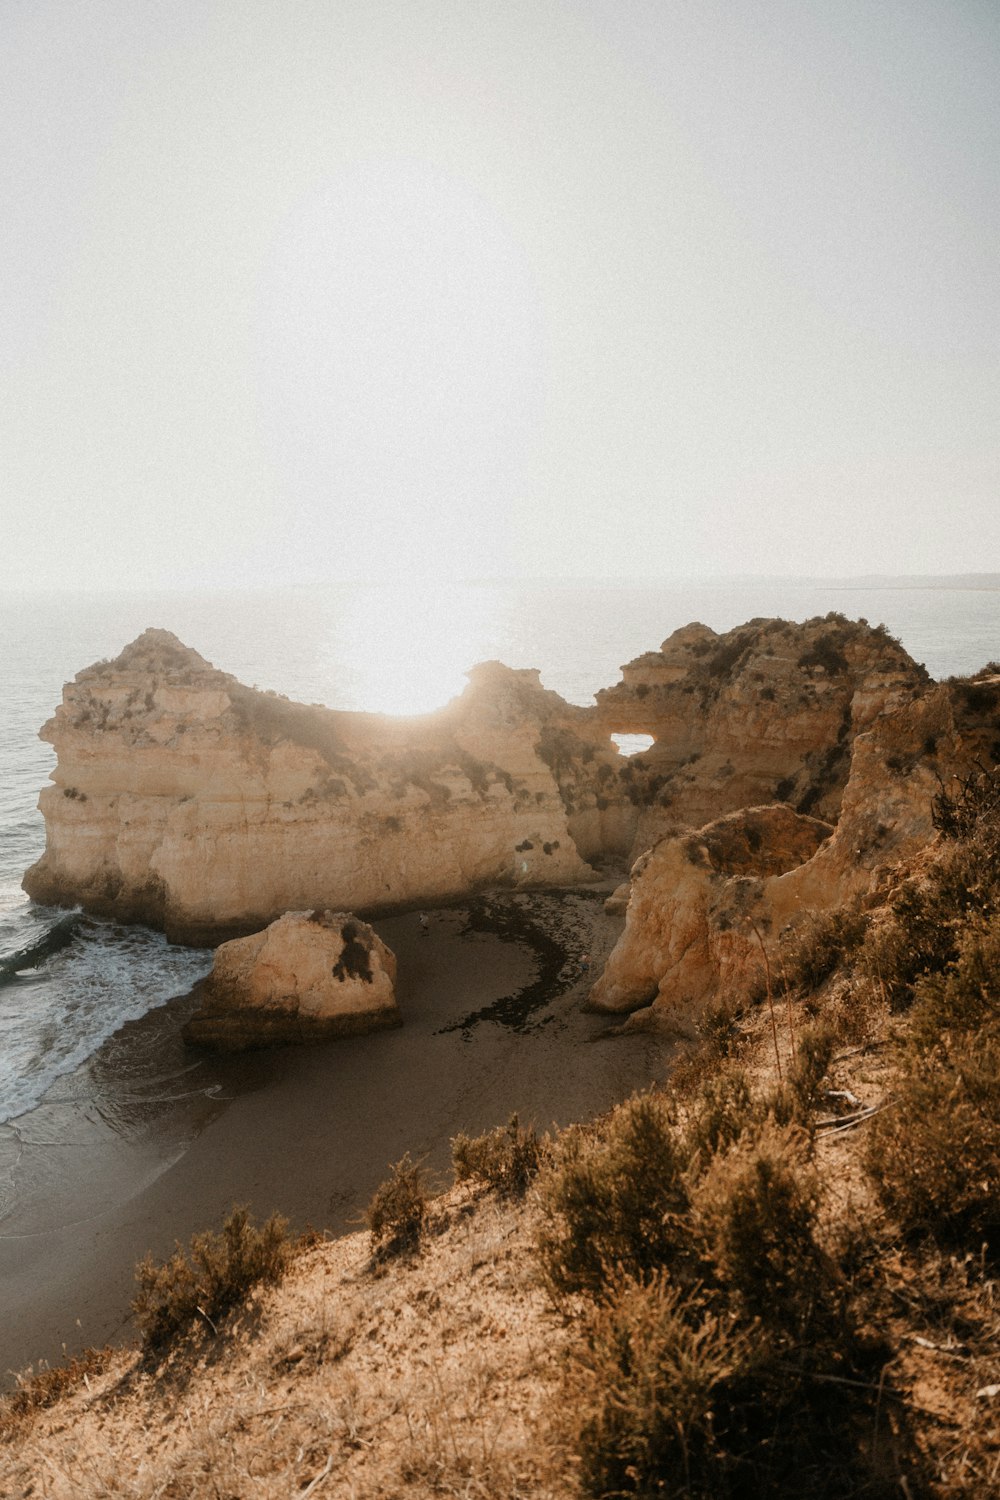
(309, 290)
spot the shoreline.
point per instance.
(309, 1132)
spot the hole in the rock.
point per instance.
(632, 744)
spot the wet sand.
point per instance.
(149, 1142)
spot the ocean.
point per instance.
(68, 981)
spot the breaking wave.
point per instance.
(70, 984)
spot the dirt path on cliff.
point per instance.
(493, 1023)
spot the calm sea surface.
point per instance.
(68, 982)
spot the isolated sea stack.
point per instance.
(307, 977)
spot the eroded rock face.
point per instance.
(187, 801)
(766, 712)
(190, 802)
(705, 908)
(307, 977)
(690, 909)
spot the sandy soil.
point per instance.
(492, 999)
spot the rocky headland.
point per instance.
(789, 765)
(802, 1219)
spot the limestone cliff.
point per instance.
(705, 907)
(185, 800)
(766, 712)
(693, 898)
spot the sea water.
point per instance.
(69, 981)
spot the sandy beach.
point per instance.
(150, 1142)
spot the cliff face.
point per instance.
(767, 712)
(185, 800)
(705, 906)
(188, 801)
(693, 899)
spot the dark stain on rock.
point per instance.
(355, 961)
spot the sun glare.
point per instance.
(406, 647)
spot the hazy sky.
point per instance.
(306, 289)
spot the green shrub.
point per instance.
(825, 652)
(857, 1012)
(718, 1026)
(934, 1154)
(220, 1273)
(641, 1390)
(755, 1213)
(614, 1199)
(920, 932)
(965, 998)
(747, 1383)
(721, 1109)
(396, 1213)
(927, 915)
(814, 1049)
(505, 1159)
(718, 1033)
(822, 943)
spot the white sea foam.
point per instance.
(54, 1017)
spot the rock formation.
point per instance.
(306, 977)
(706, 906)
(692, 903)
(187, 801)
(767, 712)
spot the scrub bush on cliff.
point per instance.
(396, 1213)
(505, 1159)
(219, 1274)
(935, 1155)
(642, 1389)
(614, 1199)
(754, 1214)
(928, 914)
(715, 1358)
(823, 942)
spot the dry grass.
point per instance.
(435, 1380)
(764, 1285)
(40, 1389)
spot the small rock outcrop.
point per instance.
(307, 977)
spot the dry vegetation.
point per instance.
(779, 1280)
